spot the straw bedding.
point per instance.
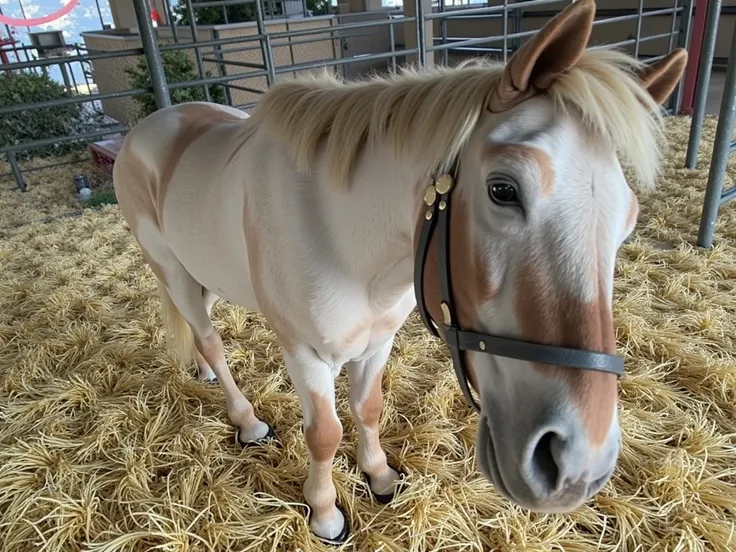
(106, 443)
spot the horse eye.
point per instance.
(504, 194)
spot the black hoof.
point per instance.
(270, 436)
(344, 534)
(388, 497)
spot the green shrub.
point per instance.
(178, 67)
(21, 87)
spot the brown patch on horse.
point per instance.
(370, 410)
(382, 324)
(138, 200)
(135, 186)
(471, 285)
(356, 332)
(279, 323)
(549, 318)
(531, 155)
(195, 121)
(324, 433)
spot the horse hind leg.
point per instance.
(189, 303)
(205, 370)
(186, 313)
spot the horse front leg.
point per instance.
(366, 403)
(314, 382)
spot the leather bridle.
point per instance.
(437, 199)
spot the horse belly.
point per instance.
(203, 222)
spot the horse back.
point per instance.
(153, 151)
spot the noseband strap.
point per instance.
(437, 201)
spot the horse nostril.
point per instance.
(543, 464)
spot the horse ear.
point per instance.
(555, 48)
(661, 78)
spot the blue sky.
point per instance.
(82, 18)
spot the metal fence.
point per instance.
(286, 40)
(724, 144)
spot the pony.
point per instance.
(492, 197)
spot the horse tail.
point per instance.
(179, 334)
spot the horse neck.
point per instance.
(379, 219)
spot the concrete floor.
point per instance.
(715, 91)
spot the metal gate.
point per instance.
(284, 39)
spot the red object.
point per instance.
(105, 152)
(693, 62)
(155, 16)
(3, 52)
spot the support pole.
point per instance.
(172, 21)
(197, 52)
(702, 85)
(639, 15)
(13, 162)
(265, 41)
(152, 53)
(721, 148)
(684, 41)
(443, 30)
(421, 44)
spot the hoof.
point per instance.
(206, 375)
(270, 436)
(344, 534)
(388, 497)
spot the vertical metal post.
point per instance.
(23, 13)
(84, 71)
(73, 78)
(265, 42)
(221, 67)
(65, 77)
(721, 148)
(683, 42)
(505, 30)
(671, 42)
(172, 22)
(421, 46)
(695, 47)
(701, 91)
(443, 32)
(152, 53)
(392, 43)
(518, 26)
(99, 14)
(13, 162)
(639, 12)
(197, 51)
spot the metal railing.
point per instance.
(723, 143)
(237, 76)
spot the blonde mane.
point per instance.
(428, 115)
